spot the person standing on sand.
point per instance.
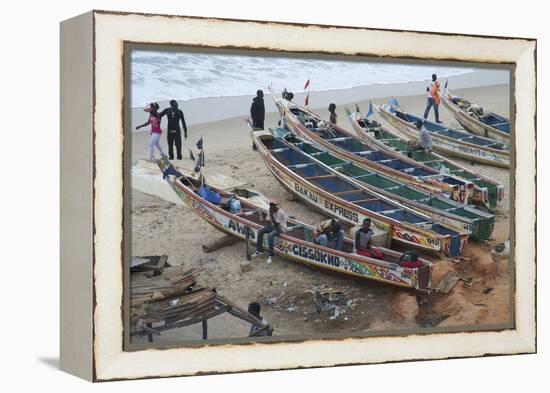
(432, 93)
(257, 110)
(154, 121)
(276, 224)
(333, 115)
(175, 115)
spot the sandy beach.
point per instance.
(286, 290)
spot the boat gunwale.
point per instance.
(360, 259)
(363, 135)
(403, 200)
(389, 221)
(352, 136)
(504, 153)
(433, 183)
(460, 114)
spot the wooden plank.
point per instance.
(319, 177)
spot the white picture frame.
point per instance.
(92, 194)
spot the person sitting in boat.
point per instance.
(411, 147)
(425, 141)
(287, 95)
(276, 224)
(330, 234)
(410, 260)
(363, 241)
(254, 308)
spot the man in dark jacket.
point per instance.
(257, 110)
(175, 115)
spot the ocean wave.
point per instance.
(160, 76)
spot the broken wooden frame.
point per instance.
(222, 306)
(93, 191)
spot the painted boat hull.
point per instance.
(461, 190)
(353, 215)
(448, 145)
(479, 224)
(473, 125)
(487, 191)
(301, 251)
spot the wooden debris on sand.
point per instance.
(173, 299)
(148, 263)
(173, 281)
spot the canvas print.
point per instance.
(277, 196)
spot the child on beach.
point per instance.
(256, 331)
(154, 121)
(333, 116)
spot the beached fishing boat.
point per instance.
(476, 119)
(296, 243)
(309, 126)
(335, 195)
(487, 191)
(447, 141)
(455, 215)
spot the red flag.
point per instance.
(306, 85)
(307, 99)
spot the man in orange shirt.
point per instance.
(433, 98)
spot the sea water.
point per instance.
(160, 76)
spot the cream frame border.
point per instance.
(111, 30)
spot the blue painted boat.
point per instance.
(476, 119)
(460, 217)
(339, 197)
(296, 242)
(445, 139)
(309, 126)
(488, 192)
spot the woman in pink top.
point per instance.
(154, 121)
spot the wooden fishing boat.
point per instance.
(487, 191)
(443, 210)
(335, 195)
(476, 119)
(309, 126)
(296, 243)
(448, 141)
